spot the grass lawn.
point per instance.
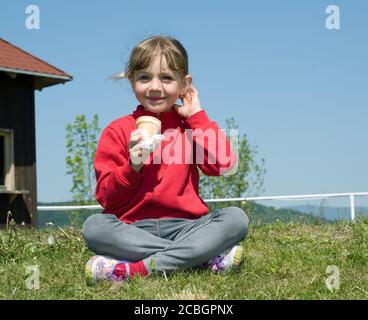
(282, 261)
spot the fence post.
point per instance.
(352, 207)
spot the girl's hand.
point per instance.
(136, 153)
(190, 103)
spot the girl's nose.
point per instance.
(156, 84)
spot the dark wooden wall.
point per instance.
(17, 112)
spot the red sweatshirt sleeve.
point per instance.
(218, 157)
(116, 181)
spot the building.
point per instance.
(21, 74)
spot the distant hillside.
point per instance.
(258, 214)
(329, 213)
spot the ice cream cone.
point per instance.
(149, 125)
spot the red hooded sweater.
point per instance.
(167, 186)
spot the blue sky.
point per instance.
(296, 89)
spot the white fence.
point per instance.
(351, 195)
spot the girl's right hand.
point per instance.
(135, 137)
(137, 154)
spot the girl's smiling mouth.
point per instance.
(156, 99)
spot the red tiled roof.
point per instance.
(14, 58)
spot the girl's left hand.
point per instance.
(190, 103)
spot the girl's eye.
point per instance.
(145, 77)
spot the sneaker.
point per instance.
(226, 261)
(102, 268)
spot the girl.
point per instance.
(153, 217)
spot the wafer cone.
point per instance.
(149, 125)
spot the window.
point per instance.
(2, 160)
(6, 159)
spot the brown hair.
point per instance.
(144, 53)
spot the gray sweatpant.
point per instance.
(171, 243)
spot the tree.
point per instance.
(248, 178)
(81, 144)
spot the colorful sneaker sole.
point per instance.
(238, 256)
(100, 268)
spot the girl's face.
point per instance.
(156, 88)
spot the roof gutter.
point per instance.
(37, 74)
